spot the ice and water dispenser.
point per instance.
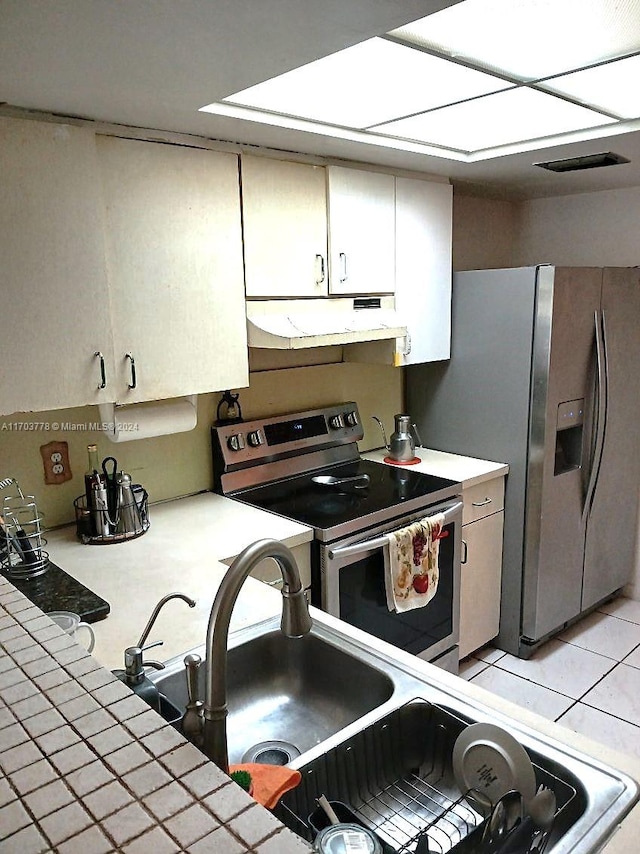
(569, 427)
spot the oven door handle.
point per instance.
(380, 542)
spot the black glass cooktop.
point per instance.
(333, 510)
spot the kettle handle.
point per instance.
(384, 435)
(417, 435)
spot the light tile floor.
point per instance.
(587, 678)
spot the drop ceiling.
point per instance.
(442, 80)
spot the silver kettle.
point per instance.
(401, 448)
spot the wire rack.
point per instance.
(91, 521)
(396, 778)
(22, 553)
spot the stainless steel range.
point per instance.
(306, 466)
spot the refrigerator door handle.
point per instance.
(602, 399)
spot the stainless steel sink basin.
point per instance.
(367, 727)
(286, 694)
(396, 778)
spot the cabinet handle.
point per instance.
(481, 503)
(103, 372)
(343, 259)
(320, 263)
(465, 552)
(134, 380)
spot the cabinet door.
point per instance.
(480, 583)
(54, 316)
(423, 267)
(361, 231)
(174, 251)
(284, 212)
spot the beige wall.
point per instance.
(483, 232)
(169, 466)
(589, 229)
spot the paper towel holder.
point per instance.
(129, 421)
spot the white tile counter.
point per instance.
(86, 766)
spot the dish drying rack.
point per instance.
(396, 777)
(22, 555)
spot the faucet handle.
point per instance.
(192, 664)
(193, 720)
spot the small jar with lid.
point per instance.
(346, 839)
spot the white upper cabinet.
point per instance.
(361, 231)
(174, 252)
(54, 316)
(423, 267)
(284, 210)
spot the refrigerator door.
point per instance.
(478, 403)
(610, 550)
(559, 448)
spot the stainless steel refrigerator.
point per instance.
(545, 375)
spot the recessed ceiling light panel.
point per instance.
(500, 119)
(530, 39)
(612, 87)
(372, 82)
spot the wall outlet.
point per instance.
(55, 456)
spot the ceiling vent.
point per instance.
(589, 161)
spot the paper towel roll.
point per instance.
(146, 420)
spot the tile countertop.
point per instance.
(468, 471)
(87, 764)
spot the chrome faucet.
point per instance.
(295, 622)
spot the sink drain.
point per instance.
(271, 753)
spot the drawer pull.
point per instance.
(481, 503)
(465, 552)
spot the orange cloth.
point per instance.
(269, 782)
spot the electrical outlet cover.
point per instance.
(55, 456)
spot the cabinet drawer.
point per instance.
(483, 499)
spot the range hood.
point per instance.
(299, 323)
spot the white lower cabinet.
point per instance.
(481, 575)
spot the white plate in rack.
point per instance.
(488, 762)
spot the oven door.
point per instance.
(350, 585)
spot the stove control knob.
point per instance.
(336, 422)
(351, 418)
(255, 438)
(236, 442)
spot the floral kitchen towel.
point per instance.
(411, 564)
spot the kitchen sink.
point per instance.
(396, 777)
(285, 695)
(367, 728)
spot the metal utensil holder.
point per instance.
(402, 791)
(22, 555)
(88, 520)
